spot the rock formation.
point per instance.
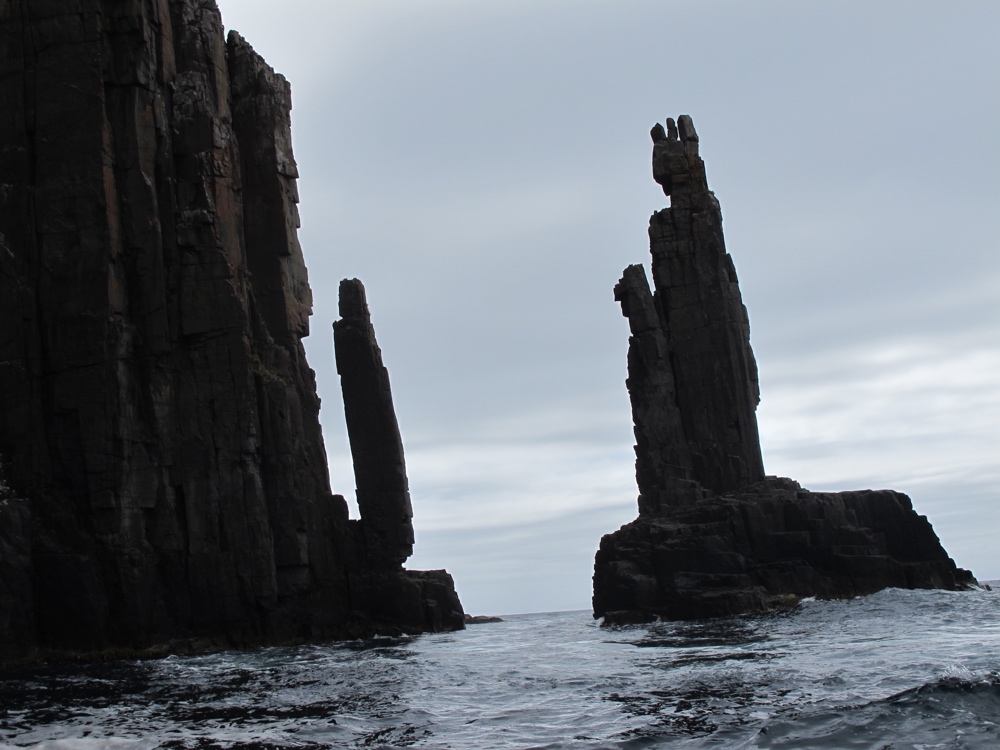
(383, 493)
(715, 536)
(158, 419)
(383, 536)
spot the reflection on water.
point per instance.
(919, 666)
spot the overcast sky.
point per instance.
(483, 166)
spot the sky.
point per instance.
(483, 166)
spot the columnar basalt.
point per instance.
(703, 318)
(714, 535)
(157, 415)
(386, 525)
(382, 538)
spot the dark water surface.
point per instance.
(901, 669)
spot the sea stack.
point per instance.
(383, 536)
(383, 492)
(159, 428)
(715, 536)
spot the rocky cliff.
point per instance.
(158, 418)
(714, 535)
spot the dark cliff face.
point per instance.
(156, 407)
(382, 539)
(714, 535)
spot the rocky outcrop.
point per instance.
(383, 536)
(383, 493)
(157, 414)
(714, 535)
(481, 619)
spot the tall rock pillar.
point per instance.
(703, 318)
(380, 587)
(715, 536)
(377, 449)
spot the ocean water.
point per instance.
(900, 669)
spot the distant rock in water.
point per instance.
(158, 420)
(481, 619)
(715, 536)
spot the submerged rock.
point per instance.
(158, 418)
(481, 619)
(715, 536)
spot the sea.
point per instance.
(899, 669)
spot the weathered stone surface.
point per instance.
(382, 539)
(16, 600)
(157, 414)
(386, 525)
(407, 601)
(664, 468)
(703, 319)
(764, 547)
(715, 536)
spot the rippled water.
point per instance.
(901, 669)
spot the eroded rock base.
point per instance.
(766, 547)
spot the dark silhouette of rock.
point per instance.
(715, 536)
(383, 493)
(703, 319)
(383, 537)
(157, 415)
(481, 619)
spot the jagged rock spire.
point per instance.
(692, 373)
(715, 536)
(379, 468)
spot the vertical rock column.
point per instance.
(379, 469)
(663, 467)
(293, 456)
(702, 315)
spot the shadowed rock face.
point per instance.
(157, 415)
(702, 317)
(382, 539)
(383, 494)
(714, 535)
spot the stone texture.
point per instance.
(17, 612)
(715, 536)
(382, 539)
(703, 319)
(386, 525)
(157, 415)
